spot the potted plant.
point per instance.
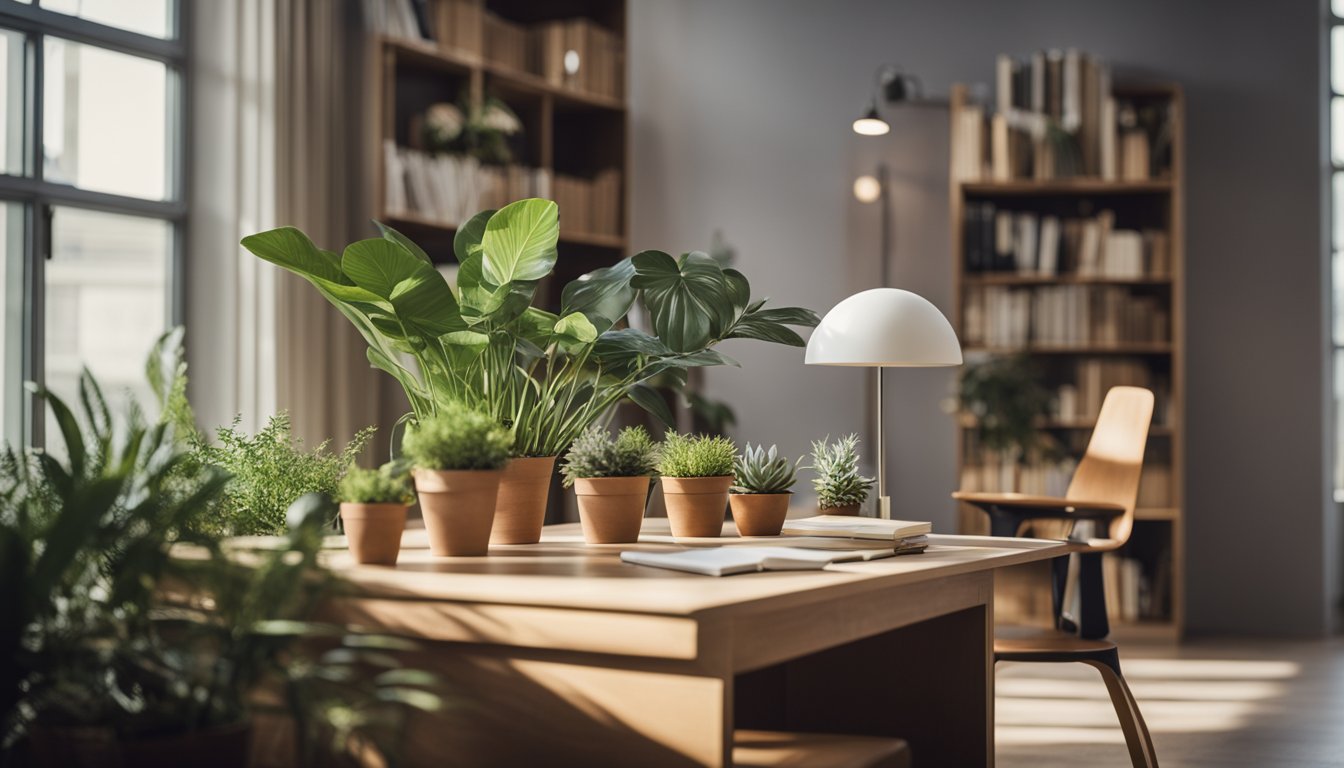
(840, 488)
(373, 512)
(544, 376)
(760, 495)
(611, 479)
(459, 457)
(697, 472)
(1004, 400)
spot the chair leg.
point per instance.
(1092, 621)
(1142, 754)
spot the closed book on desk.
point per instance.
(726, 561)
(846, 527)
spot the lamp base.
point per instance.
(884, 507)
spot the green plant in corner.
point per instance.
(595, 454)
(456, 438)
(759, 471)
(388, 484)
(1005, 398)
(696, 456)
(545, 376)
(838, 482)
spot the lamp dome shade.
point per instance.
(884, 327)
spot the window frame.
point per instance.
(39, 196)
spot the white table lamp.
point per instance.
(884, 328)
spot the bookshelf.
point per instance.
(1134, 318)
(559, 67)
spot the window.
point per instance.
(1336, 159)
(91, 195)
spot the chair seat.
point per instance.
(803, 750)
(1012, 643)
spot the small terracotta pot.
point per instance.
(849, 509)
(695, 505)
(521, 509)
(459, 508)
(611, 509)
(759, 514)
(373, 531)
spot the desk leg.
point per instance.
(930, 683)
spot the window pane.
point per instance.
(1337, 309)
(11, 101)
(12, 308)
(148, 17)
(107, 297)
(1337, 59)
(1337, 212)
(1337, 7)
(1337, 129)
(106, 121)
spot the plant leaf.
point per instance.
(289, 248)
(467, 241)
(519, 241)
(392, 235)
(575, 328)
(651, 400)
(753, 327)
(417, 291)
(603, 295)
(689, 301)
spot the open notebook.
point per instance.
(726, 561)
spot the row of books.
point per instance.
(1062, 316)
(1135, 591)
(409, 19)
(452, 188)
(589, 206)
(1088, 381)
(994, 472)
(1028, 243)
(583, 56)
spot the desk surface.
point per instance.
(564, 572)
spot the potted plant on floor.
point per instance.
(373, 512)
(697, 472)
(611, 479)
(459, 457)
(841, 490)
(543, 375)
(760, 496)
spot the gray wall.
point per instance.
(741, 112)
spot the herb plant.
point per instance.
(457, 438)
(388, 484)
(696, 456)
(595, 454)
(545, 376)
(838, 482)
(759, 471)
(1005, 397)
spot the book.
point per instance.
(727, 561)
(846, 527)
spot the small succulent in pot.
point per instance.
(760, 496)
(611, 479)
(373, 512)
(697, 472)
(839, 486)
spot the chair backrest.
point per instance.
(1110, 469)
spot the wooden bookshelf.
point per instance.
(569, 128)
(1158, 538)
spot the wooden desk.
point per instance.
(566, 656)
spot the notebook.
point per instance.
(726, 561)
(846, 527)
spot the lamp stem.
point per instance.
(883, 502)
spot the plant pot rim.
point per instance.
(380, 504)
(696, 477)
(772, 493)
(448, 471)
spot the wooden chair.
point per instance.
(1100, 500)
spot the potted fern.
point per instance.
(841, 490)
(459, 457)
(611, 479)
(697, 472)
(760, 495)
(373, 512)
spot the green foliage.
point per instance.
(388, 484)
(759, 471)
(1005, 397)
(838, 482)
(696, 456)
(546, 376)
(595, 454)
(456, 438)
(270, 470)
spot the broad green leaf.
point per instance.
(519, 241)
(379, 266)
(652, 400)
(689, 301)
(467, 241)
(537, 326)
(289, 248)
(604, 295)
(466, 339)
(739, 290)
(629, 341)
(703, 358)
(754, 327)
(417, 291)
(787, 315)
(575, 328)
(394, 236)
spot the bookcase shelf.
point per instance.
(411, 221)
(1156, 547)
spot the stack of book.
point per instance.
(1135, 591)
(1029, 243)
(451, 188)
(1093, 377)
(510, 45)
(1062, 316)
(906, 536)
(458, 24)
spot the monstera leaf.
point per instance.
(689, 301)
(603, 295)
(519, 241)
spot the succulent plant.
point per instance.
(838, 482)
(595, 454)
(761, 471)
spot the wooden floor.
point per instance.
(1207, 704)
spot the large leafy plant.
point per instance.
(547, 376)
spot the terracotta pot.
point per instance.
(759, 514)
(459, 508)
(521, 509)
(849, 509)
(695, 505)
(373, 531)
(96, 747)
(611, 509)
